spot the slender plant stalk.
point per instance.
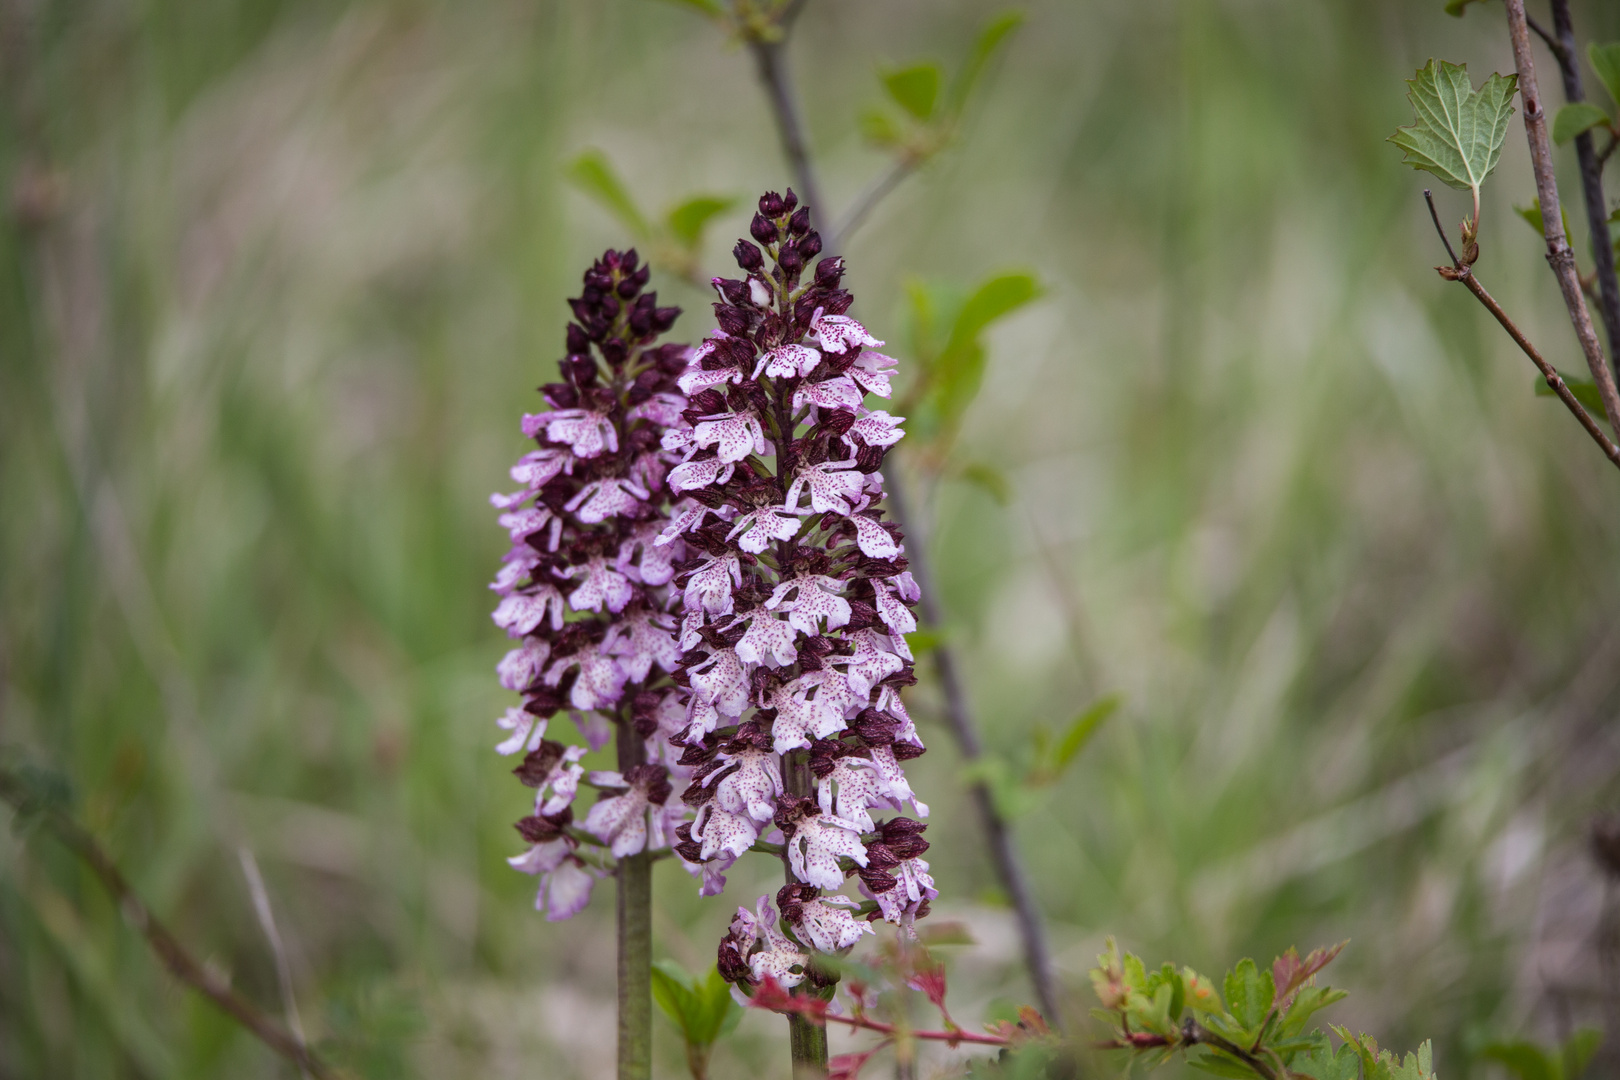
(1597, 219)
(1458, 272)
(807, 1041)
(1552, 222)
(181, 964)
(1009, 868)
(634, 931)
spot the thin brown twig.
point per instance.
(876, 193)
(1597, 211)
(174, 956)
(1458, 272)
(1559, 254)
(770, 59)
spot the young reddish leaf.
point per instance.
(1289, 972)
(848, 1066)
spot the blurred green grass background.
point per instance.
(277, 279)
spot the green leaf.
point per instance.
(879, 128)
(1249, 993)
(1324, 1064)
(1459, 130)
(959, 368)
(1084, 727)
(1458, 7)
(915, 88)
(687, 221)
(1585, 391)
(702, 1009)
(593, 174)
(1605, 60)
(1523, 1059)
(1577, 1052)
(1532, 215)
(1307, 1002)
(989, 41)
(990, 480)
(711, 8)
(1574, 119)
(1220, 1064)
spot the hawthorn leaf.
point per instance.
(1249, 993)
(1307, 1002)
(593, 174)
(958, 370)
(915, 88)
(1605, 60)
(1080, 732)
(1459, 131)
(879, 128)
(688, 220)
(1324, 1063)
(1575, 118)
(1585, 391)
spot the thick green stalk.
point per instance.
(807, 1040)
(634, 938)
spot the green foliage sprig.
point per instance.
(700, 1007)
(675, 239)
(1260, 1029)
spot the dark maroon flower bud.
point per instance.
(732, 320)
(732, 291)
(748, 256)
(789, 201)
(905, 751)
(731, 964)
(790, 260)
(799, 223)
(874, 727)
(877, 881)
(664, 318)
(579, 370)
(538, 763)
(810, 246)
(578, 342)
(829, 271)
(771, 204)
(761, 229)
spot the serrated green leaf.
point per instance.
(1326, 1064)
(1585, 391)
(1307, 1002)
(915, 88)
(1605, 60)
(593, 174)
(1135, 973)
(687, 221)
(1459, 131)
(990, 39)
(990, 480)
(1523, 1059)
(1576, 118)
(1201, 995)
(1249, 993)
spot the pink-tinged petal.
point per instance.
(873, 382)
(517, 566)
(874, 540)
(702, 717)
(816, 847)
(767, 636)
(587, 434)
(828, 925)
(788, 362)
(640, 641)
(831, 484)
(722, 680)
(835, 393)
(696, 379)
(542, 858)
(566, 891)
(721, 832)
(758, 528)
(894, 614)
(538, 468)
(688, 517)
(611, 497)
(691, 475)
(892, 780)
(815, 598)
(526, 728)
(871, 663)
(662, 409)
(710, 586)
(876, 428)
(751, 788)
(602, 585)
(521, 523)
(520, 613)
(735, 434)
(838, 333)
(520, 667)
(620, 822)
(600, 684)
(850, 791)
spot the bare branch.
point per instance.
(874, 194)
(181, 964)
(267, 923)
(770, 59)
(1552, 223)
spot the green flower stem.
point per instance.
(634, 937)
(807, 1040)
